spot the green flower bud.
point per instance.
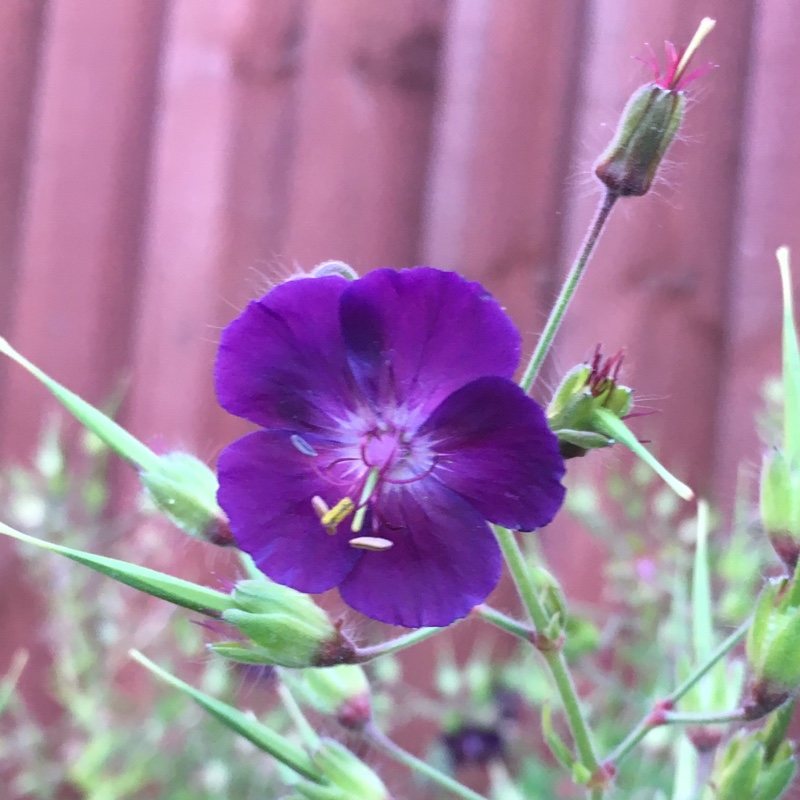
(780, 506)
(649, 123)
(341, 691)
(348, 777)
(646, 130)
(586, 388)
(284, 627)
(185, 490)
(773, 643)
(744, 769)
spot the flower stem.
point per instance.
(568, 290)
(652, 720)
(700, 718)
(364, 654)
(378, 739)
(504, 622)
(554, 657)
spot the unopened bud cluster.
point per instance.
(282, 627)
(586, 389)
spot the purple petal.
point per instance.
(495, 449)
(415, 336)
(265, 488)
(281, 363)
(444, 561)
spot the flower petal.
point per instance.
(444, 561)
(265, 488)
(281, 363)
(415, 336)
(496, 450)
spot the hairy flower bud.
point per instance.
(583, 390)
(649, 123)
(773, 643)
(185, 490)
(348, 777)
(779, 501)
(283, 627)
(341, 691)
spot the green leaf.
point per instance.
(114, 435)
(251, 729)
(702, 615)
(9, 682)
(609, 424)
(791, 363)
(158, 584)
(556, 744)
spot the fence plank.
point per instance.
(21, 23)
(767, 219)
(80, 233)
(503, 135)
(216, 203)
(366, 106)
(658, 283)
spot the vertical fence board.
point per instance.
(215, 203)
(365, 113)
(767, 219)
(21, 23)
(501, 148)
(658, 282)
(80, 235)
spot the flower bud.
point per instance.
(646, 130)
(586, 388)
(773, 643)
(284, 627)
(780, 506)
(348, 777)
(185, 490)
(649, 123)
(341, 691)
(745, 769)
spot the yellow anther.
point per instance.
(374, 543)
(340, 512)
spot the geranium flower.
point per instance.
(392, 432)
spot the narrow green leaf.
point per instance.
(702, 615)
(611, 425)
(791, 363)
(158, 584)
(251, 729)
(114, 435)
(9, 682)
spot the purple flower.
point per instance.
(389, 400)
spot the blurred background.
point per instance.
(164, 161)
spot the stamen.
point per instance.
(319, 506)
(369, 487)
(302, 445)
(333, 516)
(374, 543)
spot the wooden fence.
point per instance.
(162, 161)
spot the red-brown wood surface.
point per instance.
(163, 162)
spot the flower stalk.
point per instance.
(568, 290)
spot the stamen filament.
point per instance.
(369, 487)
(703, 29)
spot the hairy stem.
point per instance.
(656, 718)
(568, 290)
(378, 739)
(364, 654)
(504, 622)
(554, 657)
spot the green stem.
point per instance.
(568, 290)
(699, 718)
(653, 718)
(364, 654)
(378, 739)
(554, 658)
(504, 622)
